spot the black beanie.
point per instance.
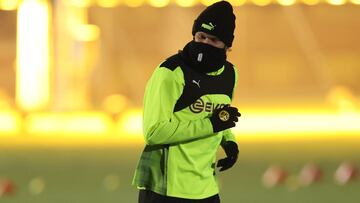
(219, 20)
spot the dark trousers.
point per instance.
(147, 196)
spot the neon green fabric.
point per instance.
(180, 155)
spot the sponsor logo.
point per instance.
(199, 106)
(209, 26)
(196, 82)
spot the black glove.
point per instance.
(231, 150)
(224, 118)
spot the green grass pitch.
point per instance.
(94, 174)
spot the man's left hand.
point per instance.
(231, 150)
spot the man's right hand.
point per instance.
(224, 118)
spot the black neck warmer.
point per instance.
(203, 57)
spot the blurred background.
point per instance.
(73, 74)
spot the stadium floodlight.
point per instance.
(33, 58)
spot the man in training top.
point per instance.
(188, 115)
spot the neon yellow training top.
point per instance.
(180, 153)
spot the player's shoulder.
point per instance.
(169, 70)
(172, 62)
(229, 65)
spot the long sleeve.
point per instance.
(228, 135)
(159, 123)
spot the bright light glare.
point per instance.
(134, 3)
(276, 125)
(232, 2)
(75, 123)
(9, 123)
(286, 2)
(9, 5)
(185, 3)
(207, 2)
(357, 2)
(32, 82)
(261, 2)
(159, 3)
(237, 2)
(86, 32)
(336, 2)
(80, 3)
(301, 125)
(342, 98)
(108, 3)
(311, 2)
(131, 123)
(255, 125)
